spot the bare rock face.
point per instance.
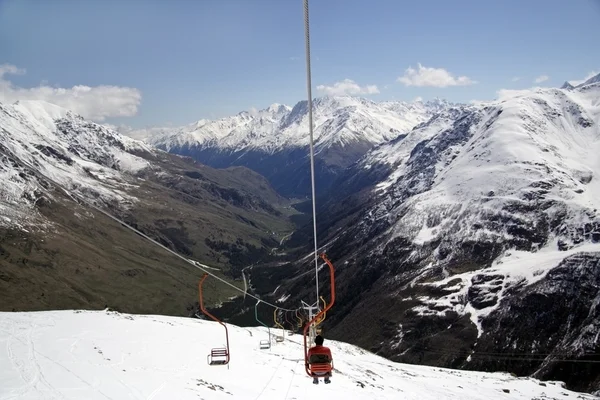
(551, 324)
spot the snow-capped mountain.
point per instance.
(580, 84)
(104, 354)
(58, 252)
(274, 141)
(337, 120)
(82, 156)
(465, 235)
(592, 80)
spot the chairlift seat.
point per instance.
(265, 344)
(218, 356)
(321, 369)
(279, 338)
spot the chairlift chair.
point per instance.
(316, 367)
(278, 325)
(263, 344)
(220, 355)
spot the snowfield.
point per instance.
(107, 355)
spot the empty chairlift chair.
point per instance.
(220, 355)
(277, 324)
(264, 344)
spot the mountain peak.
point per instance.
(276, 108)
(42, 110)
(567, 85)
(593, 79)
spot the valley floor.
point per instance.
(107, 355)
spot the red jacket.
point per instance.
(319, 351)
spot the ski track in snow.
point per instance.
(107, 355)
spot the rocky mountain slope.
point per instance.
(474, 240)
(56, 252)
(274, 142)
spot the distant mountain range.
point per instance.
(274, 141)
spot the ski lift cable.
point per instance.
(310, 130)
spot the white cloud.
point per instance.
(516, 79)
(504, 94)
(347, 87)
(435, 77)
(541, 78)
(418, 98)
(96, 103)
(10, 69)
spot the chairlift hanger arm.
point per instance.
(275, 319)
(260, 322)
(207, 313)
(320, 320)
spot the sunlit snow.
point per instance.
(107, 355)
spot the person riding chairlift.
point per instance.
(320, 354)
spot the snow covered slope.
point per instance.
(274, 141)
(107, 355)
(84, 157)
(538, 148)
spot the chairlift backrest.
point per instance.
(218, 357)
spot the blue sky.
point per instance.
(152, 62)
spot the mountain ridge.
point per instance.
(274, 141)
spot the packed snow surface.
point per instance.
(107, 355)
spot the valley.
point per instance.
(456, 230)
